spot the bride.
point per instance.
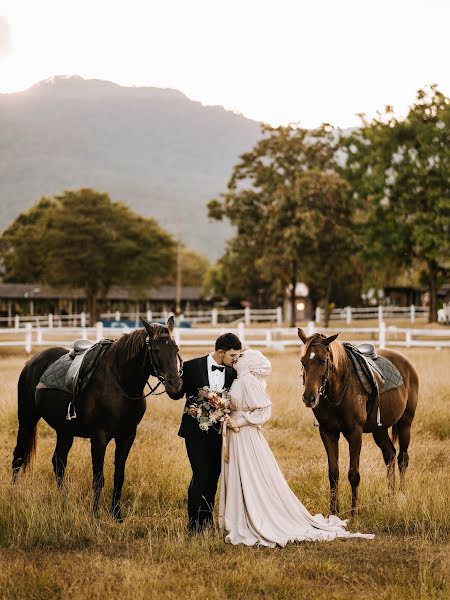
(257, 505)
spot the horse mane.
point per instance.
(338, 355)
(130, 345)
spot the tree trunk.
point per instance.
(93, 309)
(326, 310)
(432, 286)
(293, 298)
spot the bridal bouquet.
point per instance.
(210, 407)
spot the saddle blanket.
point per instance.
(376, 373)
(72, 372)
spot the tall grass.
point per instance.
(52, 547)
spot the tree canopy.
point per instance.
(399, 170)
(293, 216)
(83, 239)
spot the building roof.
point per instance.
(20, 291)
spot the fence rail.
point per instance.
(277, 338)
(216, 316)
(381, 313)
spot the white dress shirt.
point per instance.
(216, 378)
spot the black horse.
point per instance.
(111, 406)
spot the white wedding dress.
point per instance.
(257, 505)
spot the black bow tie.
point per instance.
(221, 369)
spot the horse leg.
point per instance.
(384, 442)
(330, 440)
(123, 446)
(98, 449)
(354, 439)
(404, 436)
(25, 445)
(59, 460)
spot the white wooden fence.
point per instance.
(380, 313)
(277, 338)
(218, 316)
(214, 317)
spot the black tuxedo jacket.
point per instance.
(195, 376)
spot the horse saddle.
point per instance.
(376, 373)
(72, 372)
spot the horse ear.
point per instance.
(171, 323)
(302, 335)
(327, 341)
(147, 326)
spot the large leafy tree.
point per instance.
(292, 214)
(400, 173)
(83, 239)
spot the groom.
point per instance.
(204, 448)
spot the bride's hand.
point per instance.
(233, 406)
(233, 424)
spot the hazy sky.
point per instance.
(277, 61)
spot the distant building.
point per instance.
(37, 299)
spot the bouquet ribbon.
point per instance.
(226, 455)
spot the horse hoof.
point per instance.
(117, 515)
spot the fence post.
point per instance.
(269, 338)
(214, 316)
(247, 315)
(177, 335)
(279, 315)
(348, 314)
(310, 328)
(413, 313)
(39, 337)
(382, 335)
(241, 332)
(16, 322)
(318, 315)
(99, 330)
(149, 316)
(28, 337)
(408, 339)
(380, 314)
(117, 315)
(50, 321)
(83, 320)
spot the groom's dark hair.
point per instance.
(228, 341)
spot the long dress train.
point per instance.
(257, 505)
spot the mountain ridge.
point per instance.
(153, 148)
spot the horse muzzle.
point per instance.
(311, 400)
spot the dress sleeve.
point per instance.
(255, 417)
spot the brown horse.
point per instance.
(111, 406)
(338, 400)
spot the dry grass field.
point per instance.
(51, 546)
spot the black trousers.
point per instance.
(205, 457)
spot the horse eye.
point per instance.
(322, 362)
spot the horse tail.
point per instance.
(394, 433)
(28, 419)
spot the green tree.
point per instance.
(194, 268)
(400, 174)
(83, 239)
(284, 199)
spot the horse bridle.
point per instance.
(154, 372)
(154, 369)
(329, 366)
